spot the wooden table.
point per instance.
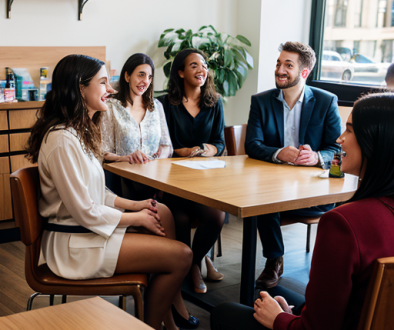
(245, 188)
(88, 314)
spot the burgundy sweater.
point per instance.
(349, 239)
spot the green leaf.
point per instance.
(202, 28)
(189, 34)
(185, 44)
(241, 73)
(213, 28)
(239, 57)
(219, 40)
(244, 40)
(249, 60)
(167, 69)
(233, 85)
(179, 31)
(168, 30)
(228, 59)
(176, 47)
(168, 51)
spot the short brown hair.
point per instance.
(307, 54)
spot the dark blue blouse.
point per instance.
(188, 132)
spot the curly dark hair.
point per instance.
(65, 105)
(123, 94)
(176, 89)
(307, 57)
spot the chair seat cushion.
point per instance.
(291, 219)
(46, 282)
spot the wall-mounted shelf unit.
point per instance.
(81, 4)
(9, 5)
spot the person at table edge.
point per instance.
(295, 124)
(194, 113)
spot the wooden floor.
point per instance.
(14, 292)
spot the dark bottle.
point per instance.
(10, 83)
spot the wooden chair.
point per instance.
(235, 143)
(25, 191)
(378, 309)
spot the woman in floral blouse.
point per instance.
(134, 129)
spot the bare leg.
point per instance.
(169, 226)
(169, 259)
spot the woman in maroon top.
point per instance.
(349, 238)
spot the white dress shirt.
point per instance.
(291, 123)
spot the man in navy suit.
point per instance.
(294, 124)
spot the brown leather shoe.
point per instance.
(271, 273)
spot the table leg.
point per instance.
(248, 260)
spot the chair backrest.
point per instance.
(235, 139)
(25, 187)
(378, 309)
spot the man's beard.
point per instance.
(289, 83)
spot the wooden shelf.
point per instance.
(21, 105)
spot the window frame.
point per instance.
(347, 94)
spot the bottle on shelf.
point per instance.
(9, 90)
(44, 81)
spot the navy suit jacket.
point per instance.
(320, 124)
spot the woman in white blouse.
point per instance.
(134, 129)
(87, 235)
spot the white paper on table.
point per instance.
(201, 164)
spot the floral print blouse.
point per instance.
(122, 135)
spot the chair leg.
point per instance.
(64, 299)
(308, 238)
(30, 301)
(219, 245)
(122, 302)
(51, 299)
(138, 304)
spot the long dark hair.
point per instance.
(64, 105)
(123, 94)
(373, 125)
(176, 89)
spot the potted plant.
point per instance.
(227, 57)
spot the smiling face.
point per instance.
(352, 159)
(195, 72)
(97, 92)
(288, 72)
(140, 79)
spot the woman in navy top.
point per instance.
(194, 113)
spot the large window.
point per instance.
(353, 40)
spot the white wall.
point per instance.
(288, 20)
(126, 27)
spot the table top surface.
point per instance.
(88, 314)
(245, 187)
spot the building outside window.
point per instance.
(358, 13)
(340, 13)
(357, 41)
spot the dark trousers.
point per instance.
(129, 189)
(268, 226)
(234, 316)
